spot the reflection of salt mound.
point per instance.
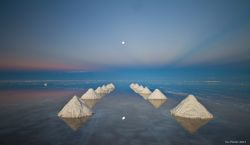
(75, 108)
(75, 123)
(90, 102)
(191, 125)
(90, 94)
(191, 108)
(157, 94)
(157, 102)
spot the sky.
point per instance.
(103, 34)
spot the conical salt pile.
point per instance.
(135, 86)
(157, 94)
(190, 107)
(145, 91)
(139, 89)
(105, 89)
(75, 108)
(100, 91)
(111, 86)
(90, 94)
(132, 85)
(91, 102)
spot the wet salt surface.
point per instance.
(30, 117)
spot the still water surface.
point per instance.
(28, 113)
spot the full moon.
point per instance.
(123, 42)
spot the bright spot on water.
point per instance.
(123, 118)
(45, 84)
(123, 42)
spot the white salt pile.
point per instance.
(105, 89)
(91, 102)
(99, 90)
(157, 94)
(90, 94)
(135, 86)
(132, 85)
(145, 93)
(139, 89)
(190, 107)
(110, 87)
(75, 108)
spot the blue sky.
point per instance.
(88, 35)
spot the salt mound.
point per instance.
(111, 86)
(75, 108)
(157, 94)
(190, 107)
(90, 94)
(105, 89)
(132, 85)
(139, 89)
(135, 86)
(145, 96)
(100, 91)
(145, 91)
(91, 102)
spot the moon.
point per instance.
(123, 42)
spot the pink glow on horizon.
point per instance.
(41, 65)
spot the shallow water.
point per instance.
(28, 114)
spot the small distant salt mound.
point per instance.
(45, 84)
(157, 94)
(90, 94)
(145, 91)
(132, 85)
(135, 86)
(139, 89)
(190, 107)
(100, 91)
(75, 108)
(111, 86)
(105, 89)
